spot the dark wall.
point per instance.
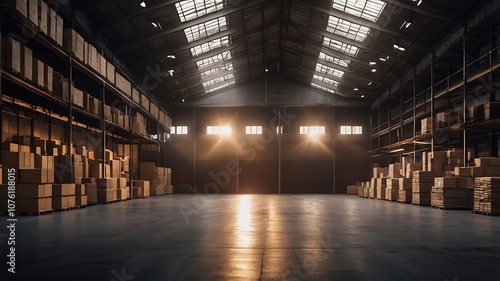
(269, 163)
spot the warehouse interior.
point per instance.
(250, 140)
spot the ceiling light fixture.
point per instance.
(384, 59)
(373, 63)
(398, 47)
(362, 96)
(369, 83)
(171, 72)
(171, 57)
(183, 100)
(405, 24)
(154, 24)
(143, 4)
(419, 2)
(267, 70)
(356, 89)
(374, 70)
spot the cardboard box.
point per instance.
(33, 190)
(91, 191)
(106, 183)
(43, 11)
(12, 58)
(19, 5)
(52, 22)
(106, 195)
(64, 189)
(10, 147)
(140, 192)
(110, 72)
(121, 183)
(74, 43)
(32, 176)
(27, 63)
(30, 205)
(38, 73)
(484, 161)
(60, 202)
(96, 168)
(80, 189)
(81, 200)
(33, 11)
(49, 76)
(447, 182)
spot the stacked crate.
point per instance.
(157, 176)
(422, 187)
(392, 190)
(106, 190)
(487, 195)
(405, 190)
(352, 190)
(452, 193)
(140, 189)
(90, 190)
(377, 182)
(81, 197)
(64, 196)
(381, 187)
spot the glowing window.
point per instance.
(329, 58)
(218, 130)
(340, 46)
(325, 80)
(209, 46)
(217, 70)
(179, 130)
(357, 130)
(254, 130)
(312, 130)
(205, 29)
(351, 130)
(321, 68)
(314, 85)
(214, 59)
(347, 29)
(367, 9)
(191, 9)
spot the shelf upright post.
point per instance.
(464, 95)
(130, 150)
(70, 119)
(103, 124)
(1, 84)
(432, 99)
(414, 78)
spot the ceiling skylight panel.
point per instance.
(340, 46)
(208, 46)
(218, 83)
(217, 70)
(214, 59)
(367, 9)
(205, 29)
(334, 60)
(191, 9)
(347, 29)
(325, 80)
(321, 68)
(322, 88)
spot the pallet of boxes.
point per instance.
(392, 183)
(404, 184)
(487, 186)
(454, 193)
(156, 176)
(109, 174)
(378, 182)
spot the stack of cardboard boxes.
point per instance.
(422, 186)
(157, 177)
(487, 195)
(140, 189)
(452, 193)
(405, 190)
(64, 196)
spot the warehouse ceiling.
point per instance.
(187, 50)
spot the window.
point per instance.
(191, 9)
(208, 46)
(254, 130)
(329, 58)
(312, 130)
(205, 29)
(279, 130)
(347, 29)
(325, 80)
(367, 9)
(321, 68)
(322, 88)
(351, 130)
(340, 46)
(179, 130)
(214, 59)
(218, 130)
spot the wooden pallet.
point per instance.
(65, 209)
(486, 213)
(35, 213)
(453, 208)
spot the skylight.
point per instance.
(214, 59)
(321, 68)
(208, 46)
(347, 29)
(340, 46)
(367, 9)
(325, 80)
(191, 9)
(329, 58)
(205, 29)
(322, 88)
(217, 70)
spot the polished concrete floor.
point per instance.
(256, 237)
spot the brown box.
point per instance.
(73, 43)
(12, 54)
(140, 192)
(121, 183)
(81, 200)
(33, 11)
(91, 191)
(33, 190)
(32, 176)
(38, 73)
(43, 11)
(65, 189)
(10, 147)
(446, 182)
(106, 183)
(80, 189)
(30, 205)
(60, 202)
(106, 195)
(52, 23)
(49, 76)
(110, 72)
(20, 5)
(27, 63)
(72, 201)
(95, 168)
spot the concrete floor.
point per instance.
(256, 237)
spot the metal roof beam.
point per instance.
(364, 22)
(129, 43)
(419, 10)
